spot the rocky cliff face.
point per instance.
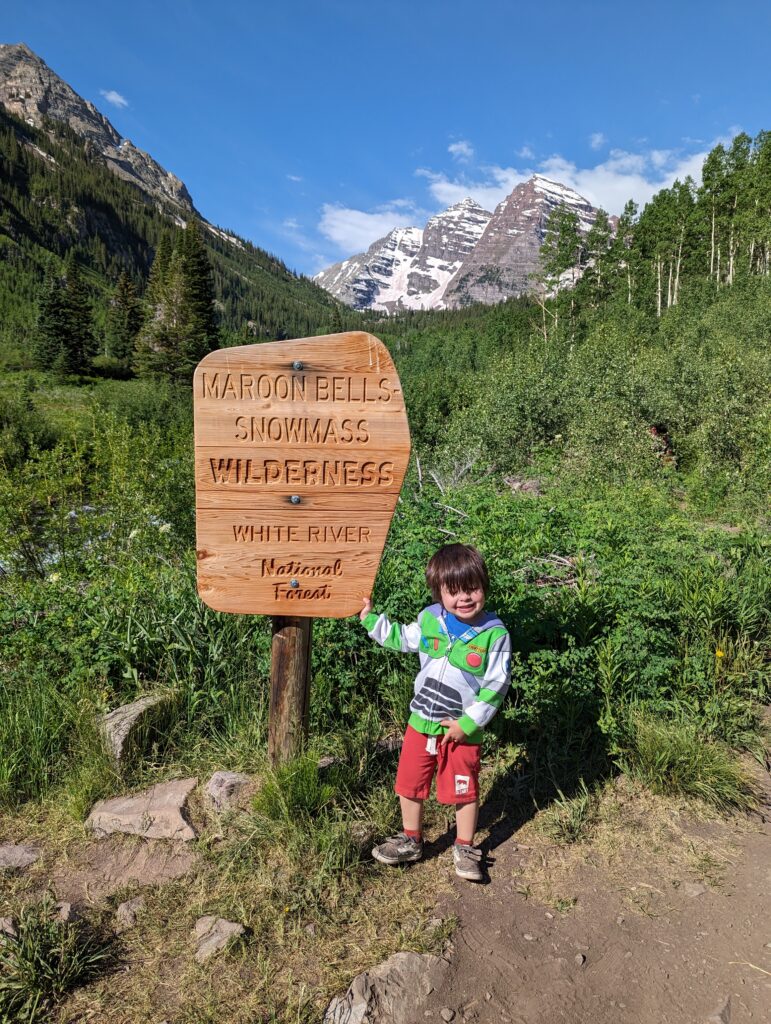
(409, 268)
(463, 255)
(32, 91)
(506, 258)
(377, 278)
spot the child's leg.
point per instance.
(412, 816)
(466, 816)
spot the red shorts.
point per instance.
(456, 766)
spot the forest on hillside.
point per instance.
(59, 205)
(606, 445)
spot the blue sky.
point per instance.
(312, 128)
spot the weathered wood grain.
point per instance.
(289, 686)
(300, 453)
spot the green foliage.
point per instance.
(672, 758)
(570, 819)
(180, 328)
(57, 197)
(297, 790)
(47, 959)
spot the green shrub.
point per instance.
(570, 819)
(46, 960)
(672, 758)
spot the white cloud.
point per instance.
(610, 183)
(526, 153)
(597, 140)
(114, 97)
(356, 230)
(294, 177)
(462, 151)
(624, 176)
(488, 192)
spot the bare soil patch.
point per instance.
(662, 915)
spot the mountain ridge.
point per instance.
(32, 91)
(491, 256)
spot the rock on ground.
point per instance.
(389, 993)
(213, 934)
(155, 813)
(223, 789)
(125, 724)
(126, 914)
(66, 912)
(8, 927)
(15, 857)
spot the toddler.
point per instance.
(465, 668)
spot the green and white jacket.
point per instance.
(465, 679)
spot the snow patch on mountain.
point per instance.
(409, 268)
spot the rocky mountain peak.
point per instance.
(32, 91)
(506, 259)
(464, 254)
(410, 267)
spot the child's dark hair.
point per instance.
(456, 567)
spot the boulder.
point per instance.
(213, 934)
(126, 914)
(155, 813)
(389, 993)
(66, 912)
(223, 788)
(127, 726)
(15, 857)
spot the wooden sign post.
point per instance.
(300, 452)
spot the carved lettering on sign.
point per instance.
(288, 387)
(309, 472)
(248, 533)
(301, 430)
(301, 449)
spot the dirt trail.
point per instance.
(677, 934)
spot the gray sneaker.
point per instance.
(468, 862)
(398, 849)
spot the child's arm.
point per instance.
(389, 634)
(495, 684)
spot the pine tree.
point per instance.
(124, 319)
(159, 268)
(180, 327)
(64, 337)
(199, 290)
(51, 326)
(79, 343)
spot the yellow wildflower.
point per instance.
(719, 653)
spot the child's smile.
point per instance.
(465, 605)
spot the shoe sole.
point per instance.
(468, 876)
(395, 863)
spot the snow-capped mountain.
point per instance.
(409, 268)
(372, 278)
(463, 254)
(506, 258)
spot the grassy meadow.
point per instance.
(633, 568)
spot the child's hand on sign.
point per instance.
(366, 608)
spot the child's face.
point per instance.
(465, 605)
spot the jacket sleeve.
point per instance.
(495, 684)
(392, 635)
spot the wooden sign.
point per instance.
(300, 451)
